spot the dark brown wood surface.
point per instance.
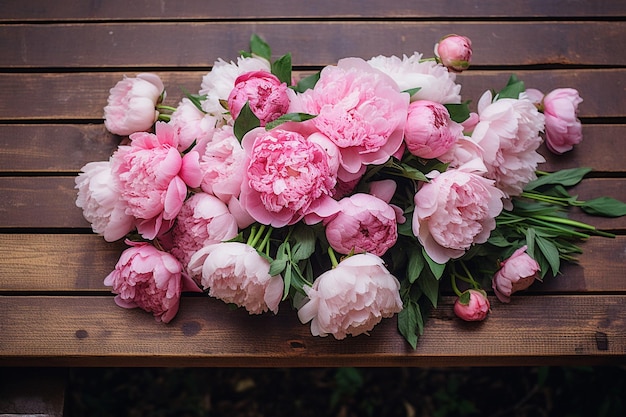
(58, 61)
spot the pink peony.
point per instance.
(264, 93)
(153, 178)
(235, 273)
(454, 52)
(508, 133)
(360, 109)
(364, 224)
(192, 125)
(222, 162)
(132, 104)
(516, 273)
(288, 177)
(472, 305)
(454, 211)
(99, 197)
(463, 151)
(150, 279)
(435, 82)
(351, 298)
(563, 128)
(429, 131)
(203, 220)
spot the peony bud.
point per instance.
(472, 305)
(454, 52)
(265, 94)
(429, 131)
(517, 273)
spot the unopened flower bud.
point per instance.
(454, 52)
(472, 305)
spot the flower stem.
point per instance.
(332, 256)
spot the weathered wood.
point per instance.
(199, 44)
(92, 331)
(78, 263)
(82, 96)
(42, 10)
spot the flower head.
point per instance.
(472, 305)
(264, 93)
(192, 125)
(429, 131)
(351, 298)
(132, 104)
(454, 52)
(563, 128)
(235, 273)
(516, 273)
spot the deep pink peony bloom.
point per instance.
(563, 128)
(364, 224)
(99, 197)
(264, 93)
(351, 298)
(454, 211)
(360, 109)
(132, 104)
(203, 220)
(192, 125)
(235, 273)
(153, 178)
(509, 134)
(288, 177)
(429, 131)
(516, 273)
(150, 279)
(222, 162)
(454, 52)
(476, 309)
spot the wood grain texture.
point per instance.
(199, 44)
(42, 10)
(92, 331)
(78, 263)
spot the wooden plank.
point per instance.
(82, 96)
(198, 44)
(42, 10)
(92, 331)
(49, 202)
(40, 263)
(36, 148)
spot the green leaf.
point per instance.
(289, 117)
(551, 253)
(304, 245)
(564, 177)
(604, 206)
(413, 173)
(436, 269)
(513, 88)
(458, 112)
(307, 83)
(429, 284)
(287, 282)
(259, 47)
(530, 241)
(245, 122)
(412, 91)
(281, 68)
(277, 266)
(416, 264)
(465, 297)
(408, 320)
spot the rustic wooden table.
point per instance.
(59, 60)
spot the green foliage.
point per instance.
(245, 122)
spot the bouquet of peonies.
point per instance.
(351, 192)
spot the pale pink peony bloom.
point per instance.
(563, 128)
(454, 52)
(192, 125)
(153, 178)
(454, 211)
(288, 177)
(131, 106)
(429, 131)
(509, 134)
(476, 309)
(99, 197)
(516, 273)
(264, 93)
(219, 82)
(203, 220)
(150, 279)
(360, 109)
(235, 273)
(364, 224)
(351, 298)
(463, 151)
(434, 81)
(222, 162)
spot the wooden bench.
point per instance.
(59, 60)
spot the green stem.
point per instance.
(164, 107)
(574, 223)
(455, 288)
(332, 256)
